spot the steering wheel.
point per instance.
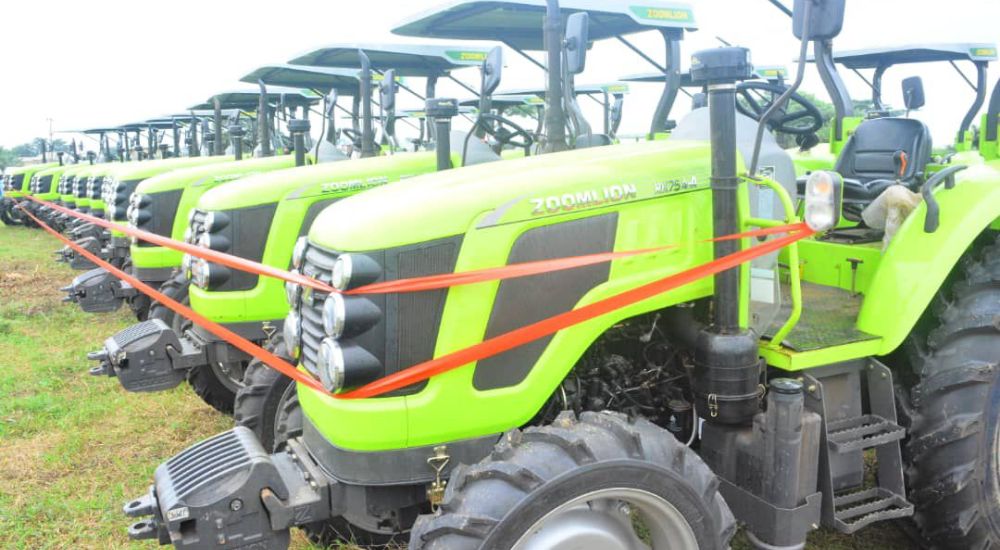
(753, 99)
(505, 131)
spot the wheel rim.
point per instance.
(611, 519)
(230, 374)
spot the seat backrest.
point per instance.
(871, 152)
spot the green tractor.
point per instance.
(98, 291)
(16, 181)
(758, 395)
(254, 216)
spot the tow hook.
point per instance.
(146, 357)
(98, 291)
(81, 262)
(251, 502)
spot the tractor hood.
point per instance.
(450, 203)
(332, 178)
(142, 169)
(212, 174)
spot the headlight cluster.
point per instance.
(138, 213)
(824, 200)
(205, 230)
(66, 185)
(93, 188)
(339, 361)
(33, 184)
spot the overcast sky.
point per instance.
(98, 62)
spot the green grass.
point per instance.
(74, 448)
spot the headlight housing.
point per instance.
(824, 200)
(353, 271)
(293, 291)
(292, 333)
(331, 365)
(299, 252)
(348, 316)
(345, 366)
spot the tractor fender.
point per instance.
(916, 263)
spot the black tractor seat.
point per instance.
(881, 152)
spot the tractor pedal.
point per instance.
(853, 511)
(862, 432)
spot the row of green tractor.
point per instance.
(845, 377)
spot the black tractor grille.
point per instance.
(247, 235)
(16, 181)
(163, 207)
(407, 333)
(44, 185)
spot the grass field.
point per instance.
(74, 448)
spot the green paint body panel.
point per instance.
(74, 170)
(817, 158)
(195, 182)
(142, 170)
(294, 191)
(491, 206)
(916, 263)
(57, 173)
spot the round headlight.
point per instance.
(341, 276)
(334, 314)
(331, 365)
(292, 333)
(209, 220)
(200, 272)
(205, 240)
(293, 291)
(186, 261)
(299, 252)
(191, 215)
(187, 235)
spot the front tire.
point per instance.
(265, 394)
(176, 288)
(582, 485)
(953, 466)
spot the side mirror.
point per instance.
(387, 91)
(577, 40)
(492, 71)
(913, 93)
(826, 18)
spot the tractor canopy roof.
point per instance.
(505, 100)
(465, 107)
(873, 58)
(345, 81)
(419, 60)
(519, 23)
(98, 130)
(579, 89)
(247, 99)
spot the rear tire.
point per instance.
(953, 465)
(516, 495)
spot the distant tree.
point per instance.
(25, 150)
(8, 158)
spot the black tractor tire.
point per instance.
(532, 472)
(176, 288)
(13, 216)
(5, 216)
(262, 399)
(206, 383)
(953, 453)
(140, 304)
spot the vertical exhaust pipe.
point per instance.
(555, 116)
(219, 148)
(367, 133)
(727, 367)
(441, 111)
(236, 133)
(298, 127)
(263, 122)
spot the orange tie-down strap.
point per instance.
(415, 284)
(487, 348)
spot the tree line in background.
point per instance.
(33, 148)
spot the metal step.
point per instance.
(862, 432)
(859, 509)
